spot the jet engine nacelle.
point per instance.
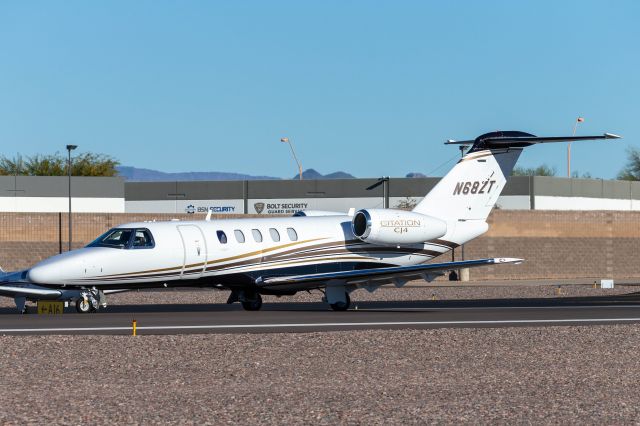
(387, 226)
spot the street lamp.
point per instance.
(575, 126)
(286, 140)
(69, 149)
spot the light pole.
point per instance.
(463, 148)
(575, 126)
(286, 140)
(69, 149)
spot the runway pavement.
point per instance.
(306, 317)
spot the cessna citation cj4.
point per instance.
(334, 252)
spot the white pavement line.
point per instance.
(322, 324)
(31, 330)
(481, 308)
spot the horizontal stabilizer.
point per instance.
(516, 139)
(381, 275)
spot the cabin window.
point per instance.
(142, 239)
(239, 236)
(222, 237)
(116, 238)
(275, 235)
(257, 235)
(293, 235)
(125, 238)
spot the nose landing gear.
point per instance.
(90, 301)
(84, 306)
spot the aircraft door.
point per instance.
(195, 251)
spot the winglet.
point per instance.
(514, 260)
(611, 136)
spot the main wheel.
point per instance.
(83, 306)
(342, 306)
(253, 305)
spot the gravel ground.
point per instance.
(552, 375)
(547, 375)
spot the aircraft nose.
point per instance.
(60, 269)
(41, 275)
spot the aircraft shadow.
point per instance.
(407, 306)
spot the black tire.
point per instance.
(84, 306)
(254, 305)
(342, 306)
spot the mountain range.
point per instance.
(135, 174)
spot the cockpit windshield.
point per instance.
(124, 238)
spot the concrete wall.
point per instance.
(51, 194)
(113, 195)
(555, 244)
(286, 197)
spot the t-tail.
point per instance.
(465, 196)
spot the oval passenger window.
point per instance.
(257, 235)
(275, 235)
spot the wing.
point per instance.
(13, 284)
(396, 274)
(28, 290)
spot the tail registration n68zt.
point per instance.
(475, 187)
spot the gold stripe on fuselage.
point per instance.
(250, 265)
(193, 265)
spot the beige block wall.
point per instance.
(555, 244)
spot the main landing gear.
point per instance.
(250, 300)
(337, 297)
(342, 305)
(253, 304)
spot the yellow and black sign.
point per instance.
(50, 307)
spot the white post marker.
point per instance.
(606, 283)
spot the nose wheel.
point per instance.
(83, 306)
(90, 301)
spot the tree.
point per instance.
(85, 164)
(585, 175)
(542, 170)
(406, 204)
(632, 170)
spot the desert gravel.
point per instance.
(523, 375)
(552, 375)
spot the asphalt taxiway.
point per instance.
(308, 317)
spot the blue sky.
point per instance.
(371, 88)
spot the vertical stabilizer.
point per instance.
(470, 190)
(465, 196)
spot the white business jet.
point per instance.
(333, 252)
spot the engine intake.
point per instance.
(388, 226)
